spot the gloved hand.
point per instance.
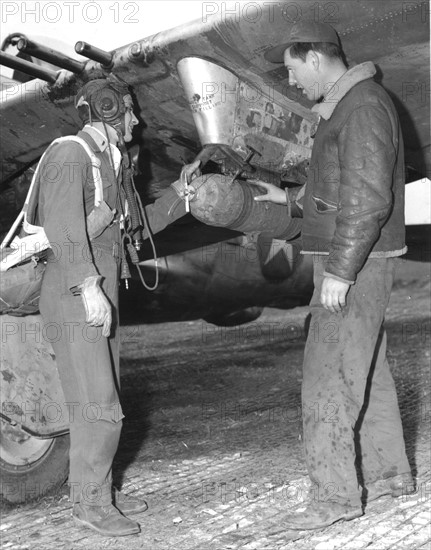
(97, 307)
(188, 173)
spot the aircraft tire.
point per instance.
(31, 467)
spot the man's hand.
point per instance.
(333, 294)
(97, 308)
(273, 193)
(191, 171)
(188, 173)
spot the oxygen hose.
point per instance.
(135, 218)
(138, 218)
(150, 237)
(137, 214)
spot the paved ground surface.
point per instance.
(212, 439)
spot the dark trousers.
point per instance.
(346, 376)
(88, 365)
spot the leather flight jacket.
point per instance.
(353, 206)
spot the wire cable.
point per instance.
(143, 216)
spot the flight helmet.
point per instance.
(102, 100)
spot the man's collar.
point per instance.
(99, 138)
(343, 85)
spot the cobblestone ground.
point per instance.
(212, 440)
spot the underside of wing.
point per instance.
(393, 35)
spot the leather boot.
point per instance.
(396, 486)
(106, 520)
(319, 514)
(128, 504)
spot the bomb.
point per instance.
(221, 202)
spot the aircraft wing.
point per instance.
(204, 88)
(391, 33)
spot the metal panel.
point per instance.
(30, 390)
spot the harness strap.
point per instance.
(36, 241)
(95, 167)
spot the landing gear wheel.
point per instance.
(30, 467)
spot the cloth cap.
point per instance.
(304, 31)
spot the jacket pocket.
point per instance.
(324, 206)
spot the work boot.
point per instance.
(396, 486)
(128, 504)
(106, 520)
(320, 514)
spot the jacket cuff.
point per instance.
(327, 274)
(165, 210)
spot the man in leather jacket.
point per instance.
(80, 292)
(353, 225)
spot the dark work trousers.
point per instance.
(346, 376)
(88, 365)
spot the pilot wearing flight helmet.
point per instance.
(82, 219)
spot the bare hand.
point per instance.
(190, 171)
(273, 194)
(97, 308)
(333, 294)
